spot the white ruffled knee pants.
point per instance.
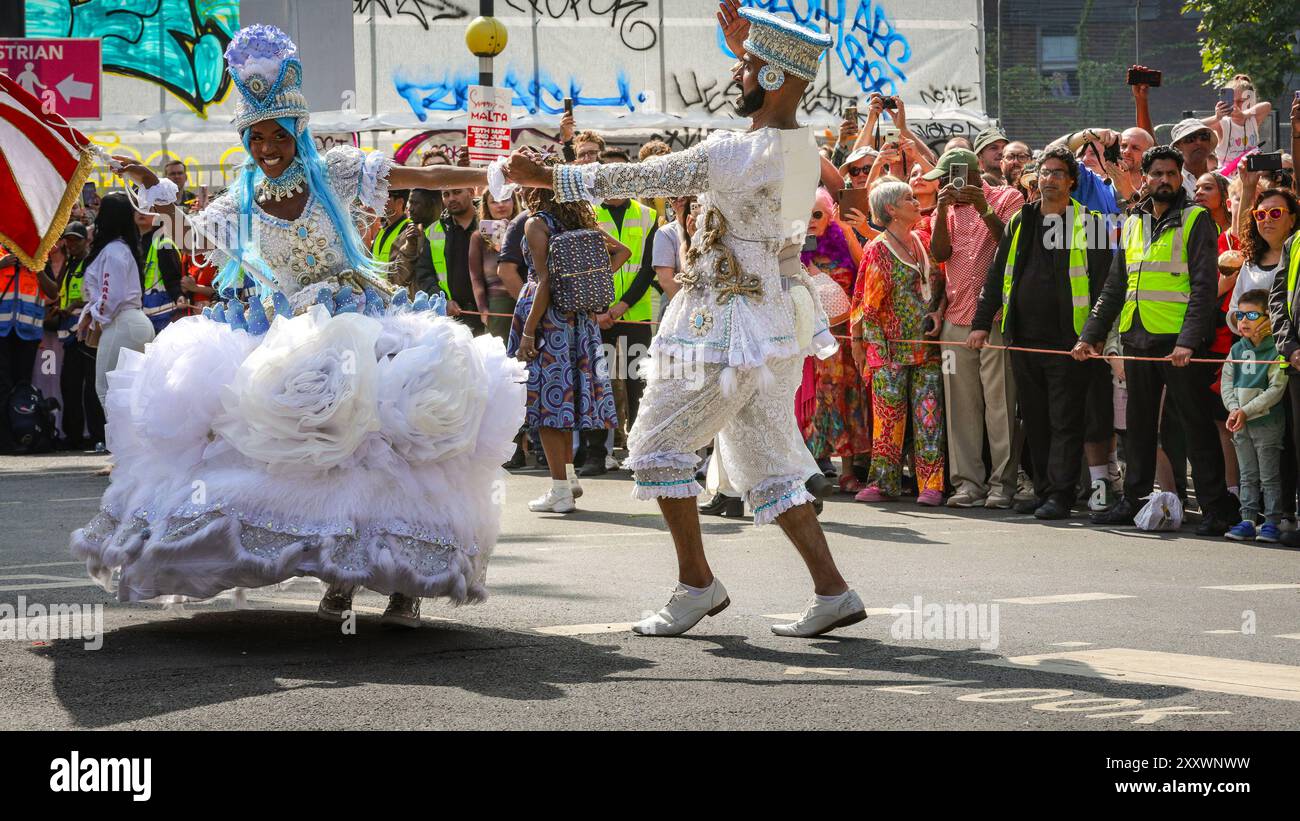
(759, 444)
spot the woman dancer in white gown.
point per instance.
(356, 437)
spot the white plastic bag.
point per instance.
(1162, 512)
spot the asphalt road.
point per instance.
(1136, 630)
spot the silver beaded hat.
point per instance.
(781, 43)
(263, 63)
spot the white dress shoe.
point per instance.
(684, 611)
(823, 617)
(552, 502)
(572, 475)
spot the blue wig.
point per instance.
(232, 273)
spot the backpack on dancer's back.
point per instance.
(578, 263)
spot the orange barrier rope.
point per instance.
(953, 343)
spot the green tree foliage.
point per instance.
(1254, 37)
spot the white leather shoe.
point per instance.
(552, 502)
(822, 618)
(572, 476)
(684, 611)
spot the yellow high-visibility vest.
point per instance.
(155, 300)
(1158, 281)
(382, 250)
(437, 236)
(1080, 296)
(637, 221)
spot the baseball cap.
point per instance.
(989, 136)
(956, 155)
(75, 229)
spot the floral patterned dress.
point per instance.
(841, 423)
(889, 303)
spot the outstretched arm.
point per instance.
(436, 177)
(672, 175)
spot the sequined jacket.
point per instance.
(733, 307)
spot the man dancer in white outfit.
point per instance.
(731, 346)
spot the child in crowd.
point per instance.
(1252, 393)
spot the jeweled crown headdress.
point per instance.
(784, 44)
(263, 63)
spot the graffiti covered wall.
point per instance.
(656, 66)
(639, 59)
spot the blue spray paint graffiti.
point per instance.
(426, 92)
(868, 45)
(178, 44)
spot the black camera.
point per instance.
(888, 104)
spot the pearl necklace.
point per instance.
(292, 181)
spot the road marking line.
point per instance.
(41, 564)
(1288, 636)
(1064, 598)
(49, 585)
(585, 629)
(16, 577)
(921, 657)
(871, 611)
(1222, 632)
(819, 671)
(79, 499)
(1247, 588)
(1203, 673)
(1071, 644)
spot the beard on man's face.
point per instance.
(750, 103)
(1165, 193)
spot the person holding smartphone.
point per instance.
(1237, 119)
(979, 391)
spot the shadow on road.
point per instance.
(835, 661)
(161, 667)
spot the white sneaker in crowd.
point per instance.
(559, 499)
(998, 500)
(684, 611)
(612, 464)
(964, 498)
(825, 616)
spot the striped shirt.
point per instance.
(973, 249)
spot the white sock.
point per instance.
(570, 473)
(1096, 472)
(828, 599)
(695, 591)
(560, 487)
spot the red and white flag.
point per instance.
(43, 164)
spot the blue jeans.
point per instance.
(1259, 454)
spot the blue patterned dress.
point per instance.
(568, 382)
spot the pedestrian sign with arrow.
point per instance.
(63, 73)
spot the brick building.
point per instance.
(1054, 66)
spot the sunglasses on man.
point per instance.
(859, 171)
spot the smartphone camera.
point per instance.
(1264, 162)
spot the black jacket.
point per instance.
(1202, 270)
(1031, 218)
(1286, 330)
